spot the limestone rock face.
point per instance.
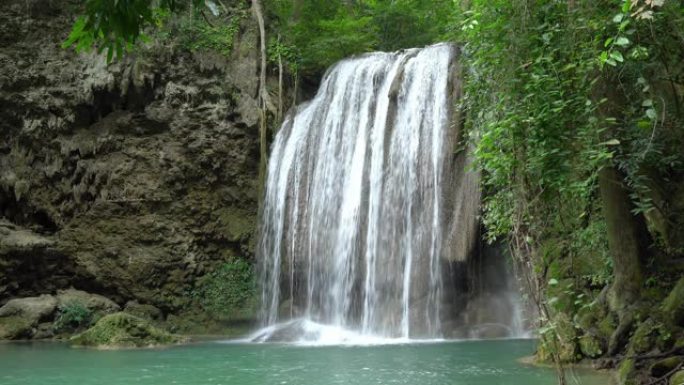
(29, 263)
(32, 309)
(132, 179)
(143, 311)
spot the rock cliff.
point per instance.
(135, 180)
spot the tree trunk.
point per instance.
(623, 240)
(264, 100)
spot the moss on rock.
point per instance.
(20, 316)
(666, 365)
(673, 306)
(643, 339)
(677, 378)
(591, 346)
(15, 327)
(565, 345)
(121, 330)
(607, 326)
(143, 311)
(626, 372)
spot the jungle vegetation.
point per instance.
(574, 110)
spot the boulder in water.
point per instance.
(122, 330)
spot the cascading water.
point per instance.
(357, 224)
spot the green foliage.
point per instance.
(73, 316)
(556, 91)
(229, 292)
(116, 25)
(286, 53)
(195, 34)
(321, 32)
(589, 245)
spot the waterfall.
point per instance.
(364, 209)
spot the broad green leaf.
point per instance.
(617, 56)
(622, 41)
(612, 142)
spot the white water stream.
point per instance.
(358, 226)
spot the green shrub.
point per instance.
(73, 316)
(229, 292)
(195, 34)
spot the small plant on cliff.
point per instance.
(196, 34)
(229, 291)
(73, 316)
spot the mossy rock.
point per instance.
(143, 311)
(566, 347)
(591, 346)
(644, 338)
(15, 328)
(122, 330)
(33, 309)
(673, 306)
(677, 378)
(626, 372)
(666, 365)
(679, 343)
(607, 326)
(93, 302)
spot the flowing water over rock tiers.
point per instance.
(366, 206)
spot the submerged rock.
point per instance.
(121, 330)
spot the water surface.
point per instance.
(213, 363)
